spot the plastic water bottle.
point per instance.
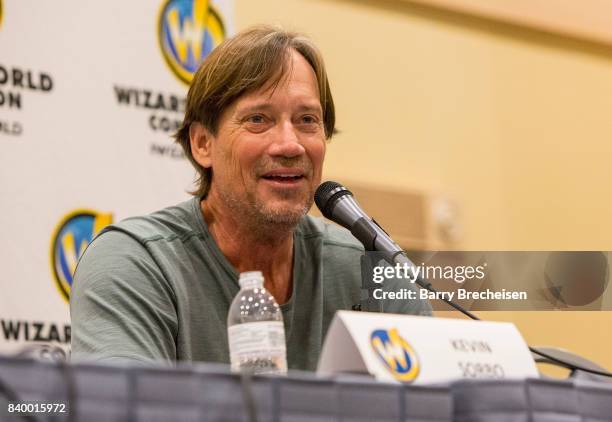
(256, 332)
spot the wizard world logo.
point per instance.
(395, 354)
(71, 237)
(188, 31)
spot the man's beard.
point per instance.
(288, 218)
(281, 215)
(263, 217)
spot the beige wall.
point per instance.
(512, 124)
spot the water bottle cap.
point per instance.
(251, 279)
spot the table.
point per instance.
(206, 392)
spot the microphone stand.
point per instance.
(573, 362)
(367, 302)
(328, 195)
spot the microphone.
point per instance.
(338, 204)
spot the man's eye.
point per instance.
(256, 118)
(308, 119)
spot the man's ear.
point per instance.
(201, 144)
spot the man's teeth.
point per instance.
(283, 176)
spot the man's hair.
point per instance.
(254, 58)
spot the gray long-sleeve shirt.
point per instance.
(159, 288)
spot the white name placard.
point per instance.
(424, 350)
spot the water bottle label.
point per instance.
(256, 338)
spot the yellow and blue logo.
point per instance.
(72, 236)
(396, 354)
(188, 31)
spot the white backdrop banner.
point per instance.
(90, 93)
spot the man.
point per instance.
(159, 287)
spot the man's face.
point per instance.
(267, 156)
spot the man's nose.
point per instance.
(287, 142)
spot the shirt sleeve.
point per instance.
(121, 304)
(405, 298)
(408, 305)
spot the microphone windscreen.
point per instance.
(326, 195)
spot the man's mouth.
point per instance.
(284, 176)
